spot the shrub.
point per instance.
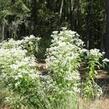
(91, 59)
(30, 43)
(64, 59)
(19, 76)
(27, 88)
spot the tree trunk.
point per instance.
(72, 16)
(2, 37)
(106, 36)
(89, 24)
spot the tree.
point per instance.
(41, 17)
(106, 36)
(12, 14)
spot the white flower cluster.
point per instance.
(95, 53)
(92, 54)
(16, 65)
(14, 61)
(106, 60)
(63, 57)
(30, 43)
(11, 43)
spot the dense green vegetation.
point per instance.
(40, 17)
(23, 86)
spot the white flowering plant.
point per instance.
(64, 56)
(91, 59)
(58, 88)
(18, 73)
(64, 59)
(19, 76)
(30, 43)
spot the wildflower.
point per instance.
(105, 60)
(32, 36)
(95, 52)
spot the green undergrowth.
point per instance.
(27, 88)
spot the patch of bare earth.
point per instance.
(96, 104)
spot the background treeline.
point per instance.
(19, 18)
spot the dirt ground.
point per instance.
(103, 103)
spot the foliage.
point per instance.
(25, 86)
(12, 17)
(60, 88)
(63, 62)
(65, 56)
(91, 59)
(29, 43)
(40, 17)
(18, 73)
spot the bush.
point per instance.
(92, 60)
(29, 43)
(19, 75)
(64, 59)
(27, 88)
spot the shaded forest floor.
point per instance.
(102, 79)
